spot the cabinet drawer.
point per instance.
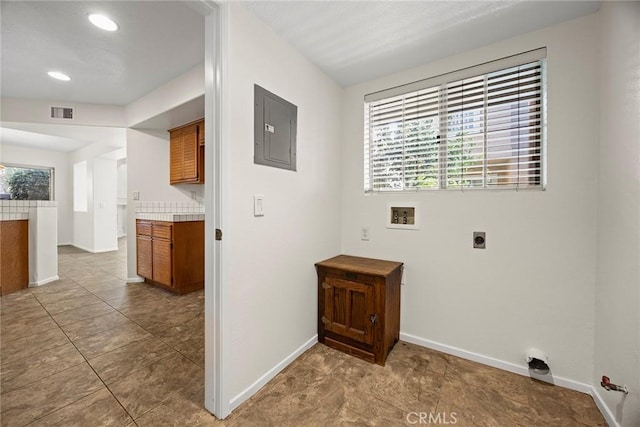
(143, 228)
(162, 231)
(348, 275)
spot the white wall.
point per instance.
(96, 229)
(271, 286)
(105, 196)
(39, 111)
(617, 312)
(534, 284)
(148, 174)
(170, 95)
(122, 198)
(63, 181)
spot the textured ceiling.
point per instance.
(65, 138)
(355, 41)
(157, 41)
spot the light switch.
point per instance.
(136, 195)
(258, 205)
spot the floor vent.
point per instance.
(62, 113)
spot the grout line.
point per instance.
(78, 281)
(81, 354)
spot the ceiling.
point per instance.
(352, 41)
(157, 41)
(63, 138)
(356, 41)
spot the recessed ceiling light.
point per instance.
(59, 76)
(103, 22)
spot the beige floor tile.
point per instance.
(18, 301)
(187, 338)
(184, 408)
(97, 409)
(82, 313)
(94, 326)
(54, 287)
(482, 406)
(296, 396)
(20, 328)
(33, 344)
(150, 386)
(120, 363)
(102, 286)
(550, 403)
(49, 298)
(27, 404)
(31, 368)
(71, 303)
(109, 340)
(9, 318)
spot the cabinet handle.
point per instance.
(325, 320)
(325, 286)
(373, 318)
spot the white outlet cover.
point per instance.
(365, 232)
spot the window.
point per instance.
(481, 127)
(80, 187)
(19, 182)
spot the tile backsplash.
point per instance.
(19, 209)
(23, 206)
(169, 207)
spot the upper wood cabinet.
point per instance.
(186, 153)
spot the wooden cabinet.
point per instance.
(14, 256)
(359, 306)
(171, 254)
(186, 153)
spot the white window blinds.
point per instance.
(481, 127)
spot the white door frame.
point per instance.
(215, 198)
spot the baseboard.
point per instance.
(269, 375)
(604, 409)
(135, 279)
(496, 363)
(94, 251)
(45, 281)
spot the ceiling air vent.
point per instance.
(61, 113)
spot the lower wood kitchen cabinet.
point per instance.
(14, 256)
(171, 254)
(359, 306)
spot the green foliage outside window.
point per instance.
(26, 183)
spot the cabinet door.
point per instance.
(175, 156)
(144, 257)
(349, 307)
(162, 267)
(190, 149)
(201, 132)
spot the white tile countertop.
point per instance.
(18, 210)
(171, 216)
(13, 216)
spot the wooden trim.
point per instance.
(364, 355)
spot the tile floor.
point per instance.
(91, 350)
